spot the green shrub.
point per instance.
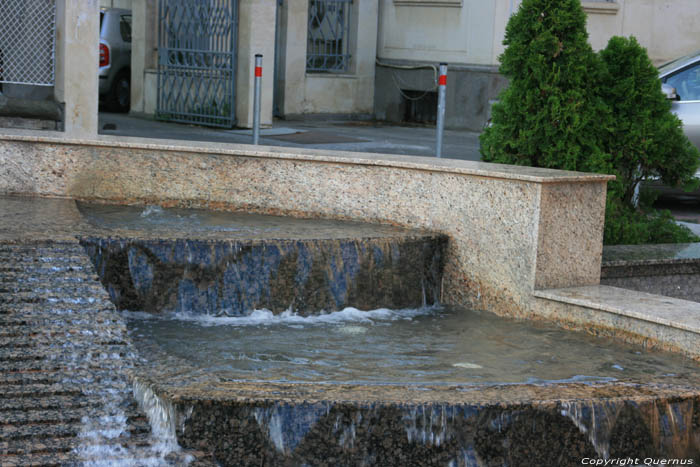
(644, 139)
(630, 226)
(568, 108)
(549, 115)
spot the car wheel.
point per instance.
(120, 95)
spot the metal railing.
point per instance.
(328, 42)
(27, 41)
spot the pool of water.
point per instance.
(438, 345)
(166, 222)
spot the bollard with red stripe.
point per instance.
(442, 85)
(256, 97)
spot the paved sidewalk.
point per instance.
(357, 136)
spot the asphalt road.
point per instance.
(356, 136)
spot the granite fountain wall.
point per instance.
(511, 229)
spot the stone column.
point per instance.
(256, 35)
(296, 18)
(77, 64)
(143, 45)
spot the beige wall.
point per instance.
(314, 93)
(473, 32)
(458, 33)
(143, 57)
(256, 35)
(667, 28)
(118, 4)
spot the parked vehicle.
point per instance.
(115, 58)
(680, 80)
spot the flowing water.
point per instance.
(436, 345)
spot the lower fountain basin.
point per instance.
(436, 386)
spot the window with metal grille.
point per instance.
(328, 48)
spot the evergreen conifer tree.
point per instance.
(550, 115)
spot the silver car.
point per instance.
(680, 79)
(115, 58)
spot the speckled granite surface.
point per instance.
(248, 423)
(65, 388)
(671, 270)
(633, 316)
(474, 203)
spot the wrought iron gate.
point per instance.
(196, 61)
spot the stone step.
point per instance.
(40, 460)
(52, 309)
(74, 375)
(50, 340)
(47, 256)
(23, 324)
(34, 417)
(43, 270)
(48, 446)
(68, 290)
(39, 431)
(51, 428)
(64, 353)
(48, 403)
(40, 390)
(52, 390)
(41, 247)
(73, 458)
(54, 300)
(40, 365)
(69, 415)
(44, 281)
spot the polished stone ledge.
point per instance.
(634, 316)
(481, 169)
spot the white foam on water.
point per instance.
(267, 318)
(151, 209)
(467, 365)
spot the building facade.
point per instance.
(378, 58)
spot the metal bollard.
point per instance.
(442, 84)
(256, 101)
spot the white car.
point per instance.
(115, 58)
(680, 79)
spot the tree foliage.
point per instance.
(549, 115)
(567, 107)
(644, 138)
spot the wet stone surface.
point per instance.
(155, 259)
(65, 387)
(235, 277)
(70, 372)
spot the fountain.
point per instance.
(517, 242)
